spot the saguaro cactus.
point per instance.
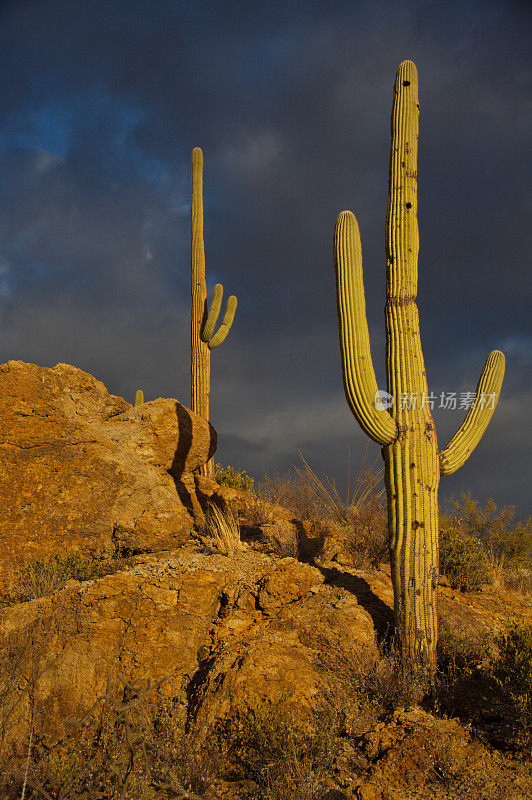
(203, 338)
(405, 428)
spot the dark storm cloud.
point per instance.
(101, 105)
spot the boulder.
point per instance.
(219, 633)
(81, 469)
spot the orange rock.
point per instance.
(81, 469)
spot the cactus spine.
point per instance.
(405, 431)
(203, 322)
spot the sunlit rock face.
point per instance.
(82, 470)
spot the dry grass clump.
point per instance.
(222, 529)
(360, 519)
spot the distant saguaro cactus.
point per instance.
(139, 397)
(405, 429)
(203, 338)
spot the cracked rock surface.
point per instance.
(204, 624)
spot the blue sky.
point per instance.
(102, 103)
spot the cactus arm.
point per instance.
(224, 328)
(360, 384)
(210, 322)
(477, 419)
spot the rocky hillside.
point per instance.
(173, 669)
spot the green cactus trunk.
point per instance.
(203, 321)
(405, 430)
(200, 353)
(412, 470)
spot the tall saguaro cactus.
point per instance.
(405, 429)
(203, 338)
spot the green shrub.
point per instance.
(512, 672)
(464, 686)
(234, 479)
(281, 753)
(462, 558)
(46, 574)
(507, 543)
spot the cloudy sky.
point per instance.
(102, 102)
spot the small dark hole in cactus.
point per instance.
(409, 205)
(406, 83)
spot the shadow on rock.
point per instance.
(186, 489)
(381, 613)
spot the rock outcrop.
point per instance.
(81, 469)
(219, 632)
(286, 618)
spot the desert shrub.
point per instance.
(360, 518)
(463, 684)
(462, 558)
(129, 746)
(506, 542)
(302, 491)
(18, 671)
(391, 682)
(367, 535)
(518, 578)
(132, 745)
(282, 754)
(234, 479)
(486, 680)
(46, 574)
(460, 656)
(287, 490)
(512, 673)
(22, 663)
(256, 512)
